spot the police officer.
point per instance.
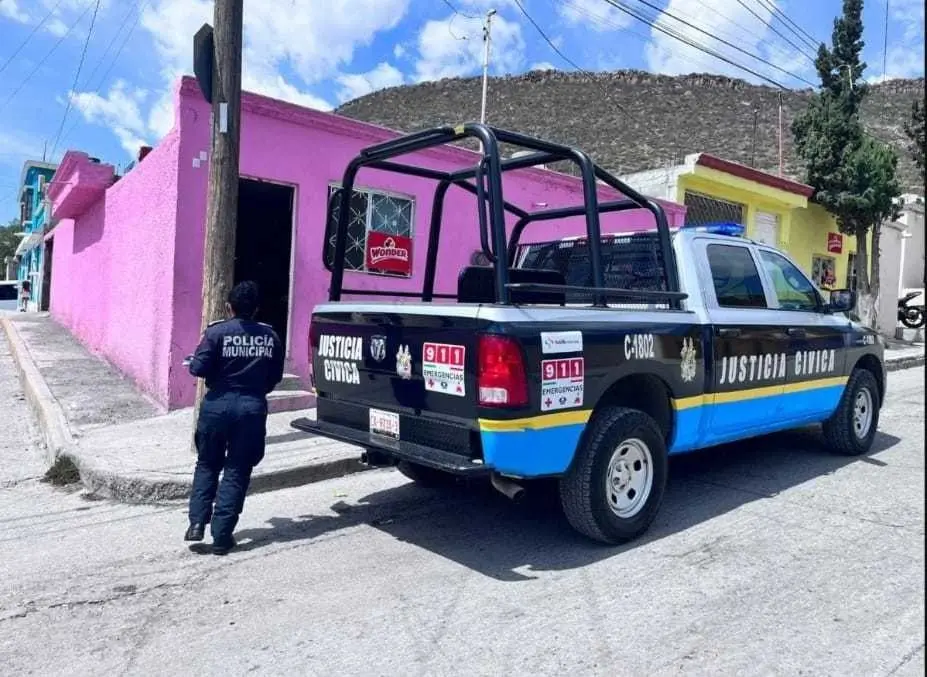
(241, 361)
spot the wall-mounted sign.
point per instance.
(388, 253)
(834, 243)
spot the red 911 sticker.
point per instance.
(562, 383)
(443, 368)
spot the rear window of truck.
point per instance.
(632, 261)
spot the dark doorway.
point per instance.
(47, 258)
(262, 247)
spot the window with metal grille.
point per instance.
(852, 279)
(370, 210)
(702, 210)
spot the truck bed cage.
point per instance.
(484, 180)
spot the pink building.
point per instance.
(127, 254)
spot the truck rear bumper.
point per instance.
(430, 457)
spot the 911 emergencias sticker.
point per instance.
(443, 368)
(562, 383)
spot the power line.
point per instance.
(774, 30)
(685, 40)
(654, 24)
(697, 58)
(45, 58)
(112, 64)
(125, 21)
(885, 41)
(35, 30)
(797, 30)
(457, 11)
(80, 64)
(561, 54)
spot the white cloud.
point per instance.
(733, 22)
(358, 84)
(272, 84)
(286, 51)
(905, 58)
(313, 40)
(120, 110)
(399, 51)
(15, 147)
(442, 54)
(56, 27)
(597, 15)
(543, 66)
(11, 10)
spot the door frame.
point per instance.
(292, 263)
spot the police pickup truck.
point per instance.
(589, 360)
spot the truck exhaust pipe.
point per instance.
(515, 492)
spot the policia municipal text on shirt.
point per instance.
(241, 361)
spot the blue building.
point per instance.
(35, 217)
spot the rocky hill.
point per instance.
(631, 120)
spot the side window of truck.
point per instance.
(736, 280)
(793, 290)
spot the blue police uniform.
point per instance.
(241, 361)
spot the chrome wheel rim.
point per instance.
(629, 478)
(862, 413)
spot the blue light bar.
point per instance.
(732, 229)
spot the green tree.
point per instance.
(9, 241)
(914, 129)
(854, 175)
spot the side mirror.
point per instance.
(841, 301)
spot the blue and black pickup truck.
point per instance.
(590, 360)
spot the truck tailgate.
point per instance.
(408, 375)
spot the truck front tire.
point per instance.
(616, 483)
(852, 428)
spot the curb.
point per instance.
(146, 490)
(60, 442)
(56, 432)
(905, 362)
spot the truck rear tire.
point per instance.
(616, 483)
(852, 428)
(425, 476)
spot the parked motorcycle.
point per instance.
(910, 316)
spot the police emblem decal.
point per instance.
(404, 362)
(378, 348)
(688, 366)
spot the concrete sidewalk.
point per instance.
(128, 449)
(124, 445)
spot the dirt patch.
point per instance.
(62, 473)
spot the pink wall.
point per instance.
(307, 149)
(127, 263)
(112, 265)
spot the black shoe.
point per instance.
(194, 533)
(223, 546)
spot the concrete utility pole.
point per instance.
(222, 196)
(487, 39)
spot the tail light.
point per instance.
(501, 379)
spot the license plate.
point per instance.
(384, 423)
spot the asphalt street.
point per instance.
(768, 558)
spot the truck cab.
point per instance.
(588, 360)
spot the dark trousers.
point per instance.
(230, 433)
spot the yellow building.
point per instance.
(773, 209)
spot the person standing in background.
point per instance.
(25, 295)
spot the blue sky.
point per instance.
(323, 52)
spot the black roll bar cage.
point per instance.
(484, 180)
